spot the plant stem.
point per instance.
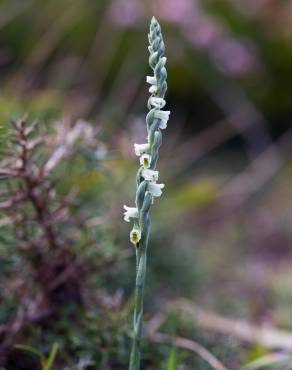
(141, 259)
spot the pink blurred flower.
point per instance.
(233, 57)
(125, 13)
(175, 11)
(203, 32)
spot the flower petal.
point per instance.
(157, 102)
(155, 189)
(141, 148)
(145, 160)
(135, 235)
(130, 212)
(151, 80)
(150, 175)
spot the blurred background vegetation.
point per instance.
(222, 234)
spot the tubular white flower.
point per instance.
(145, 160)
(163, 115)
(141, 148)
(155, 189)
(130, 212)
(135, 235)
(157, 102)
(150, 175)
(153, 89)
(151, 80)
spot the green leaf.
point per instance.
(30, 349)
(50, 361)
(172, 359)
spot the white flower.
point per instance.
(141, 148)
(155, 189)
(135, 235)
(130, 212)
(150, 175)
(153, 89)
(151, 80)
(163, 115)
(157, 102)
(145, 160)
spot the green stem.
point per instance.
(141, 259)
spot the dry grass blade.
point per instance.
(189, 345)
(267, 337)
(67, 138)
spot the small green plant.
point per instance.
(45, 362)
(147, 177)
(172, 360)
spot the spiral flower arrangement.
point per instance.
(147, 178)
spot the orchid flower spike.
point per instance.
(147, 177)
